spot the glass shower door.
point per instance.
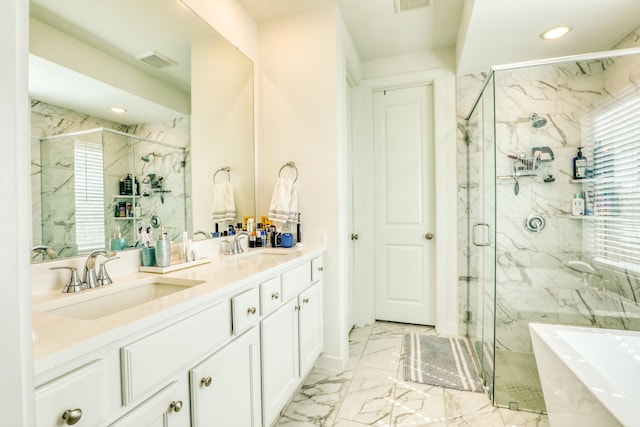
(481, 246)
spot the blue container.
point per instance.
(286, 240)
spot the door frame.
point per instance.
(446, 203)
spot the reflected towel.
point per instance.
(224, 205)
(284, 202)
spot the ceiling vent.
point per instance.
(156, 59)
(402, 5)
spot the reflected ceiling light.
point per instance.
(555, 32)
(118, 110)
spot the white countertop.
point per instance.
(59, 338)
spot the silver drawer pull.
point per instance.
(176, 406)
(305, 301)
(251, 310)
(72, 416)
(275, 295)
(206, 381)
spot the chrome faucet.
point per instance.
(89, 278)
(204, 233)
(237, 244)
(45, 251)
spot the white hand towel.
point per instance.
(224, 205)
(284, 202)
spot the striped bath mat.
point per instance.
(440, 361)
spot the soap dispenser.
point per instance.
(579, 165)
(163, 249)
(117, 242)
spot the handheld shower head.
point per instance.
(149, 157)
(537, 121)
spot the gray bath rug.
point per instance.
(439, 361)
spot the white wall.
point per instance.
(299, 110)
(16, 369)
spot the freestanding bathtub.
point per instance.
(589, 376)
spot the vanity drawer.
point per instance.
(81, 393)
(147, 362)
(246, 310)
(270, 295)
(295, 280)
(316, 269)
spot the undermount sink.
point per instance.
(262, 254)
(94, 304)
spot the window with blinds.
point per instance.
(615, 188)
(89, 196)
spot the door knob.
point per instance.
(354, 236)
(428, 236)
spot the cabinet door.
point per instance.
(225, 388)
(280, 375)
(310, 326)
(78, 397)
(166, 408)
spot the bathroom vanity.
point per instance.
(223, 343)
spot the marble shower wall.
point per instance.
(52, 173)
(530, 270)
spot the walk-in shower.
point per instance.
(578, 269)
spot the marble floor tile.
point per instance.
(372, 392)
(369, 398)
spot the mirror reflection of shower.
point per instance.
(537, 121)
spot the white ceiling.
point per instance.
(493, 32)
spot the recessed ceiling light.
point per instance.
(554, 33)
(118, 110)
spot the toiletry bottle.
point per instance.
(128, 185)
(577, 205)
(117, 242)
(121, 187)
(579, 165)
(263, 238)
(163, 249)
(136, 186)
(259, 236)
(137, 211)
(298, 231)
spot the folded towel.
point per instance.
(284, 202)
(224, 205)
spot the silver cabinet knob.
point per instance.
(428, 236)
(297, 307)
(206, 381)
(354, 236)
(305, 301)
(320, 268)
(72, 416)
(176, 406)
(275, 295)
(251, 310)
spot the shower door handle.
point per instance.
(486, 235)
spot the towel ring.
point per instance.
(226, 169)
(291, 165)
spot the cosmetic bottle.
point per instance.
(577, 205)
(136, 186)
(579, 165)
(121, 188)
(117, 242)
(137, 212)
(163, 249)
(298, 231)
(128, 185)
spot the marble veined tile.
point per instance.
(316, 402)
(382, 352)
(523, 419)
(369, 399)
(465, 408)
(418, 404)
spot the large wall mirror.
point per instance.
(188, 96)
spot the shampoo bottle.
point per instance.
(579, 165)
(163, 249)
(577, 205)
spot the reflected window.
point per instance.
(89, 196)
(615, 187)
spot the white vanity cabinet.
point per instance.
(167, 408)
(225, 388)
(291, 338)
(76, 398)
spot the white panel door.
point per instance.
(404, 199)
